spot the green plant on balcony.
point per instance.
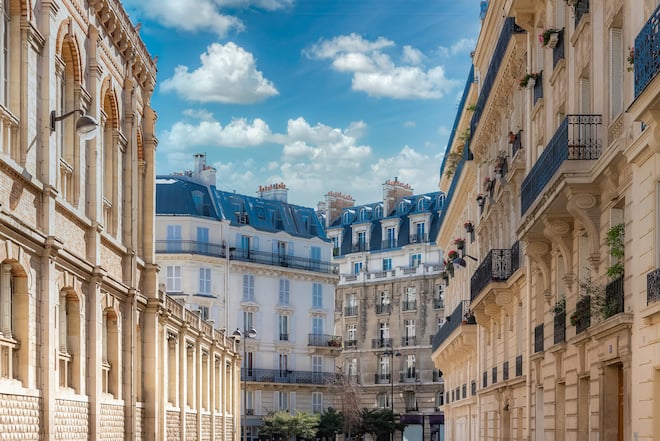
(549, 37)
(601, 306)
(560, 307)
(631, 59)
(453, 159)
(471, 108)
(527, 79)
(615, 242)
(335, 341)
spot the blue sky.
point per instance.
(323, 95)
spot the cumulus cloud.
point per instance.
(200, 15)
(464, 45)
(228, 74)
(374, 71)
(210, 133)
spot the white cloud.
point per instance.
(464, 45)
(375, 73)
(202, 114)
(227, 74)
(409, 124)
(210, 133)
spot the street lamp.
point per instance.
(237, 334)
(85, 125)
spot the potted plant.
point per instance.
(481, 200)
(631, 59)
(452, 254)
(500, 162)
(560, 307)
(488, 184)
(550, 37)
(469, 226)
(529, 80)
(460, 243)
(449, 266)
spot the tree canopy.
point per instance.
(282, 423)
(378, 423)
(331, 423)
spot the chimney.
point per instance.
(393, 192)
(274, 192)
(203, 173)
(335, 202)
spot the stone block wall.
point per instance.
(112, 422)
(71, 420)
(206, 427)
(191, 426)
(20, 418)
(173, 425)
(139, 423)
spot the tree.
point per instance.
(331, 423)
(283, 424)
(379, 423)
(350, 401)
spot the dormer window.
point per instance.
(364, 215)
(420, 204)
(346, 218)
(378, 212)
(441, 201)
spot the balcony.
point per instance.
(438, 304)
(498, 266)
(383, 308)
(277, 259)
(350, 344)
(189, 247)
(359, 246)
(653, 287)
(408, 341)
(380, 378)
(508, 30)
(284, 336)
(560, 327)
(388, 244)
(581, 318)
(324, 340)
(408, 377)
(350, 311)
(453, 323)
(409, 305)
(647, 59)
(577, 138)
(538, 338)
(419, 238)
(614, 297)
(287, 376)
(378, 343)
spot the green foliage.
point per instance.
(560, 306)
(282, 423)
(378, 423)
(331, 423)
(615, 241)
(471, 108)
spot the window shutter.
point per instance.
(258, 408)
(616, 72)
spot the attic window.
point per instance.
(364, 214)
(198, 200)
(378, 212)
(346, 218)
(261, 214)
(420, 204)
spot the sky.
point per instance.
(323, 95)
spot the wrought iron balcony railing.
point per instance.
(498, 266)
(359, 246)
(453, 322)
(287, 376)
(323, 340)
(577, 138)
(383, 308)
(388, 243)
(408, 341)
(419, 238)
(509, 29)
(582, 315)
(538, 338)
(378, 343)
(408, 305)
(266, 258)
(560, 327)
(614, 297)
(350, 344)
(350, 311)
(438, 304)
(647, 52)
(189, 247)
(408, 377)
(653, 287)
(382, 378)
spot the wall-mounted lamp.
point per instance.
(85, 126)
(460, 261)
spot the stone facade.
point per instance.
(558, 170)
(84, 331)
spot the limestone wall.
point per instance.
(20, 417)
(71, 420)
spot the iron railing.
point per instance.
(409, 305)
(581, 8)
(614, 297)
(190, 247)
(505, 371)
(519, 366)
(377, 343)
(408, 377)
(389, 243)
(538, 338)
(558, 51)
(538, 87)
(438, 304)
(287, 376)
(350, 344)
(509, 29)
(323, 340)
(582, 314)
(577, 138)
(350, 311)
(419, 238)
(266, 258)
(382, 378)
(653, 286)
(517, 143)
(498, 266)
(409, 341)
(560, 327)
(452, 323)
(383, 308)
(359, 246)
(647, 52)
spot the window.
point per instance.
(364, 215)
(174, 238)
(410, 401)
(317, 364)
(351, 334)
(205, 281)
(204, 312)
(384, 366)
(384, 298)
(69, 340)
(283, 400)
(439, 399)
(378, 212)
(315, 254)
(420, 204)
(248, 319)
(383, 400)
(441, 321)
(409, 298)
(351, 367)
(346, 218)
(357, 267)
(173, 282)
(362, 240)
(391, 237)
(387, 264)
(202, 240)
(420, 228)
(317, 295)
(351, 300)
(616, 72)
(5, 35)
(284, 327)
(409, 326)
(335, 242)
(415, 260)
(110, 351)
(317, 325)
(284, 364)
(410, 366)
(384, 330)
(284, 292)
(248, 288)
(317, 402)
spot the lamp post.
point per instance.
(247, 333)
(392, 354)
(85, 125)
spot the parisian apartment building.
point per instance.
(552, 176)
(389, 302)
(259, 265)
(90, 348)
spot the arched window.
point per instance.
(364, 215)
(420, 204)
(108, 137)
(110, 365)
(69, 336)
(378, 212)
(346, 217)
(14, 323)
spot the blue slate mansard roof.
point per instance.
(179, 195)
